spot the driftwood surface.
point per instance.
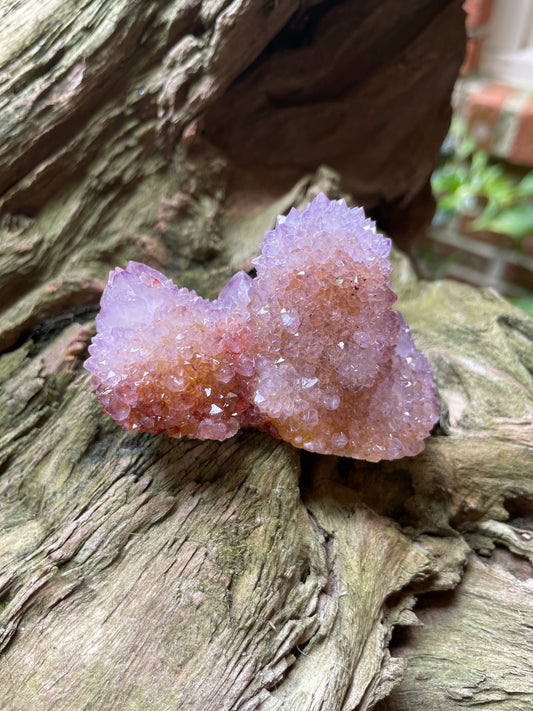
(141, 572)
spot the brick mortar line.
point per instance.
(479, 279)
(508, 123)
(489, 251)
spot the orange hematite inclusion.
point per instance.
(310, 349)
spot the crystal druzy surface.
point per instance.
(309, 350)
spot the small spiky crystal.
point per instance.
(310, 350)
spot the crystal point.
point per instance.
(310, 350)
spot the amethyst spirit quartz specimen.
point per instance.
(310, 350)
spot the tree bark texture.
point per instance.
(141, 572)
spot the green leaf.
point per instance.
(525, 303)
(466, 148)
(448, 181)
(525, 187)
(516, 221)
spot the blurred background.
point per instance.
(482, 232)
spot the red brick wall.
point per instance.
(477, 18)
(480, 258)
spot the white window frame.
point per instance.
(508, 49)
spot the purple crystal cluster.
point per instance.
(310, 350)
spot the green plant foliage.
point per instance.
(525, 303)
(525, 186)
(516, 221)
(467, 181)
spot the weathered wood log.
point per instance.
(144, 572)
